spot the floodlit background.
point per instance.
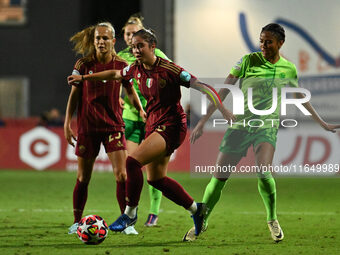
(206, 37)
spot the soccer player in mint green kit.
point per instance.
(260, 71)
(134, 125)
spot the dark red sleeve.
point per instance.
(126, 83)
(127, 72)
(185, 77)
(79, 69)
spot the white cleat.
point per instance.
(130, 230)
(73, 229)
(190, 235)
(275, 230)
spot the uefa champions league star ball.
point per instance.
(92, 229)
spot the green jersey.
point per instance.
(130, 112)
(255, 72)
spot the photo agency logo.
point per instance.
(265, 111)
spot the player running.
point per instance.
(134, 125)
(261, 71)
(159, 81)
(99, 116)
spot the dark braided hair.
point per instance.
(276, 29)
(148, 35)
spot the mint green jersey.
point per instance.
(130, 112)
(255, 72)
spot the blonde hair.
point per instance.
(83, 41)
(135, 19)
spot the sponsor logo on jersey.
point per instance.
(282, 75)
(238, 64)
(160, 128)
(162, 83)
(126, 69)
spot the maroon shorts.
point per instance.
(88, 145)
(173, 135)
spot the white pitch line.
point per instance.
(42, 210)
(290, 213)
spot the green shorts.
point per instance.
(134, 131)
(238, 141)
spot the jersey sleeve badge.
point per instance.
(125, 70)
(238, 64)
(185, 76)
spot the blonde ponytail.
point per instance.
(84, 41)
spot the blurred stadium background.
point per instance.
(207, 37)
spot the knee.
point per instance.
(222, 179)
(132, 162)
(120, 174)
(157, 183)
(85, 178)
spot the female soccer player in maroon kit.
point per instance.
(99, 115)
(159, 81)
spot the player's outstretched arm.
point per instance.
(198, 130)
(105, 75)
(316, 116)
(214, 99)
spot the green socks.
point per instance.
(267, 189)
(155, 200)
(212, 194)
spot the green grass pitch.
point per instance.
(36, 211)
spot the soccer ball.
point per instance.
(92, 229)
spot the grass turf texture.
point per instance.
(36, 211)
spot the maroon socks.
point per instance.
(79, 199)
(121, 194)
(173, 191)
(169, 187)
(134, 182)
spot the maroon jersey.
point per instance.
(98, 105)
(161, 88)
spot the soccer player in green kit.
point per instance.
(261, 71)
(134, 125)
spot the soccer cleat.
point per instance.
(190, 235)
(122, 223)
(130, 230)
(198, 218)
(73, 228)
(275, 230)
(151, 221)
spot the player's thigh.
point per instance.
(85, 167)
(118, 160)
(226, 161)
(131, 146)
(264, 146)
(157, 169)
(264, 153)
(152, 148)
